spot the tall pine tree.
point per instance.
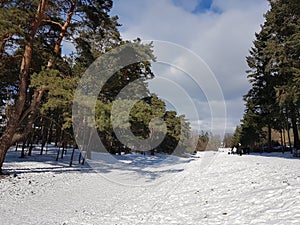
(274, 69)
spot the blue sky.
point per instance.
(197, 6)
(220, 32)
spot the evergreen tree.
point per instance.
(236, 137)
(32, 33)
(202, 142)
(273, 63)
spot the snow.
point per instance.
(209, 188)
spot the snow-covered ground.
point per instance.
(212, 188)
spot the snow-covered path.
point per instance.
(214, 189)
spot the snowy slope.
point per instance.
(215, 188)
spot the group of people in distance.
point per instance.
(239, 150)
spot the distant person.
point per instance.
(240, 150)
(233, 150)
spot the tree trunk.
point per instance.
(57, 155)
(288, 130)
(295, 132)
(7, 138)
(23, 149)
(269, 138)
(72, 156)
(289, 138)
(31, 144)
(284, 139)
(281, 140)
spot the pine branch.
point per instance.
(53, 22)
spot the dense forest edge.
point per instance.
(271, 118)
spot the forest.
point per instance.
(273, 101)
(39, 76)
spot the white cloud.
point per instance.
(241, 5)
(222, 40)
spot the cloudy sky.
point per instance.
(218, 32)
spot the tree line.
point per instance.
(38, 77)
(273, 101)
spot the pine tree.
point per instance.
(273, 63)
(35, 30)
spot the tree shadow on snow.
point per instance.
(149, 167)
(44, 163)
